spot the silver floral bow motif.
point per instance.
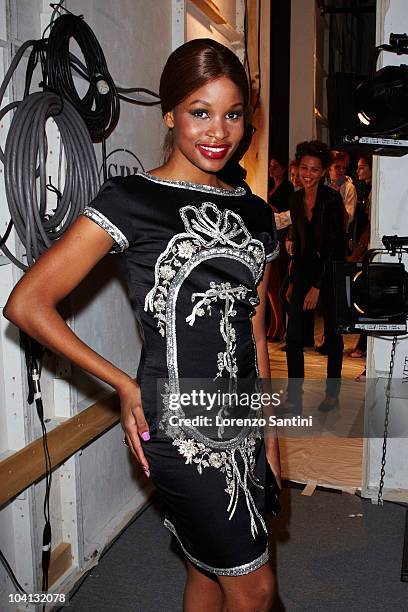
(211, 226)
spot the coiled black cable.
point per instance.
(26, 146)
(25, 157)
(99, 107)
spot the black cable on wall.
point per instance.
(99, 107)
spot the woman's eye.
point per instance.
(234, 115)
(200, 113)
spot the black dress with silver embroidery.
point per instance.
(193, 256)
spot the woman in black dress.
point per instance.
(317, 213)
(194, 252)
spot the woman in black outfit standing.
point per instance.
(195, 254)
(319, 239)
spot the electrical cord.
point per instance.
(99, 107)
(26, 143)
(26, 146)
(33, 356)
(82, 69)
(12, 575)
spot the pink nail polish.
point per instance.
(147, 472)
(145, 436)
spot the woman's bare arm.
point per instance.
(32, 307)
(259, 330)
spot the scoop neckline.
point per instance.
(237, 191)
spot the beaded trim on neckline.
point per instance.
(238, 191)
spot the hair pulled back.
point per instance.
(314, 148)
(368, 159)
(193, 65)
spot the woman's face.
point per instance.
(275, 170)
(310, 171)
(363, 170)
(207, 126)
(294, 177)
(337, 170)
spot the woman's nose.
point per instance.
(218, 128)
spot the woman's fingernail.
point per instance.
(145, 436)
(147, 472)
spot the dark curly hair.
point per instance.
(314, 148)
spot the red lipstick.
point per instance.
(213, 151)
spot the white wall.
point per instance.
(390, 216)
(302, 72)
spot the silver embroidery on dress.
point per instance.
(238, 191)
(206, 227)
(227, 294)
(227, 462)
(121, 242)
(209, 233)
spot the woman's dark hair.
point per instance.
(281, 158)
(193, 65)
(293, 164)
(314, 148)
(368, 160)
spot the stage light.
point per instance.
(381, 290)
(371, 112)
(372, 297)
(382, 102)
(364, 119)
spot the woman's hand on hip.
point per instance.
(311, 299)
(133, 421)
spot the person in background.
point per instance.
(278, 198)
(342, 183)
(308, 315)
(294, 175)
(318, 240)
(364, 173)
(280, 187)
(338, 180)
(361, 233)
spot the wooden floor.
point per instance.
(334, 457)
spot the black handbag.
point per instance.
(272, 492)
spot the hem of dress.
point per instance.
(239, 570)
(121, 242)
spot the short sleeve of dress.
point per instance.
(111, 210)
(266, 228)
